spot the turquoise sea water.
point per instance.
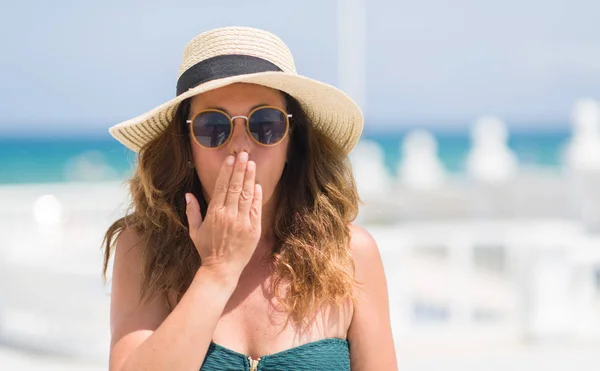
(39, 160)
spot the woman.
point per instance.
(238, 252)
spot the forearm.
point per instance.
(181, 341)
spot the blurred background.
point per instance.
(479, 165)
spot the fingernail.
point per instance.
(251, 165)
(244, 156)
(230, 160)
(188, 199)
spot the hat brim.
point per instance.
(329, 109)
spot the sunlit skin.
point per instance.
(229, 301)
(239, 100)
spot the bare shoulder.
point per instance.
(368, 265)
(127, 282)
(365, 252)
(127, 267)
(361, 238)
(370, 334)
(128, 246)
(131, 322)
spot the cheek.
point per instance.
(269, 167)
(207, 164)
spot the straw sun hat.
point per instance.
(230, 55)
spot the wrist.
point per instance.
(226, 281)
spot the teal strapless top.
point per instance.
(330, 354)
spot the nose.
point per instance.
(240, 140)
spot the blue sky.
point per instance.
(85, 65)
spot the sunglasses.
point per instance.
(266, 125)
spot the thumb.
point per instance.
(192, 210)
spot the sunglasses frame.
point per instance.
(288, 116)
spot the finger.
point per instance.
(220, 192)
(247, 190)
(236, 182)
(192, 210)
(256, 209)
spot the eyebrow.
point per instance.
(251, 109)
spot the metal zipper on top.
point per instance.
(253, 363)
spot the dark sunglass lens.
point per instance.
(268, 125)
(211, 129)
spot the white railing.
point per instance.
(515, 280)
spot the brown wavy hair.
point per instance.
(316, 201)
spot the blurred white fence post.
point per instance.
(545, 277)
(586, 288)
(372, 177)
(491, 165)
(490, 159)
(583, 162)
(420, 168)
(373, 181)
(461, 262)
